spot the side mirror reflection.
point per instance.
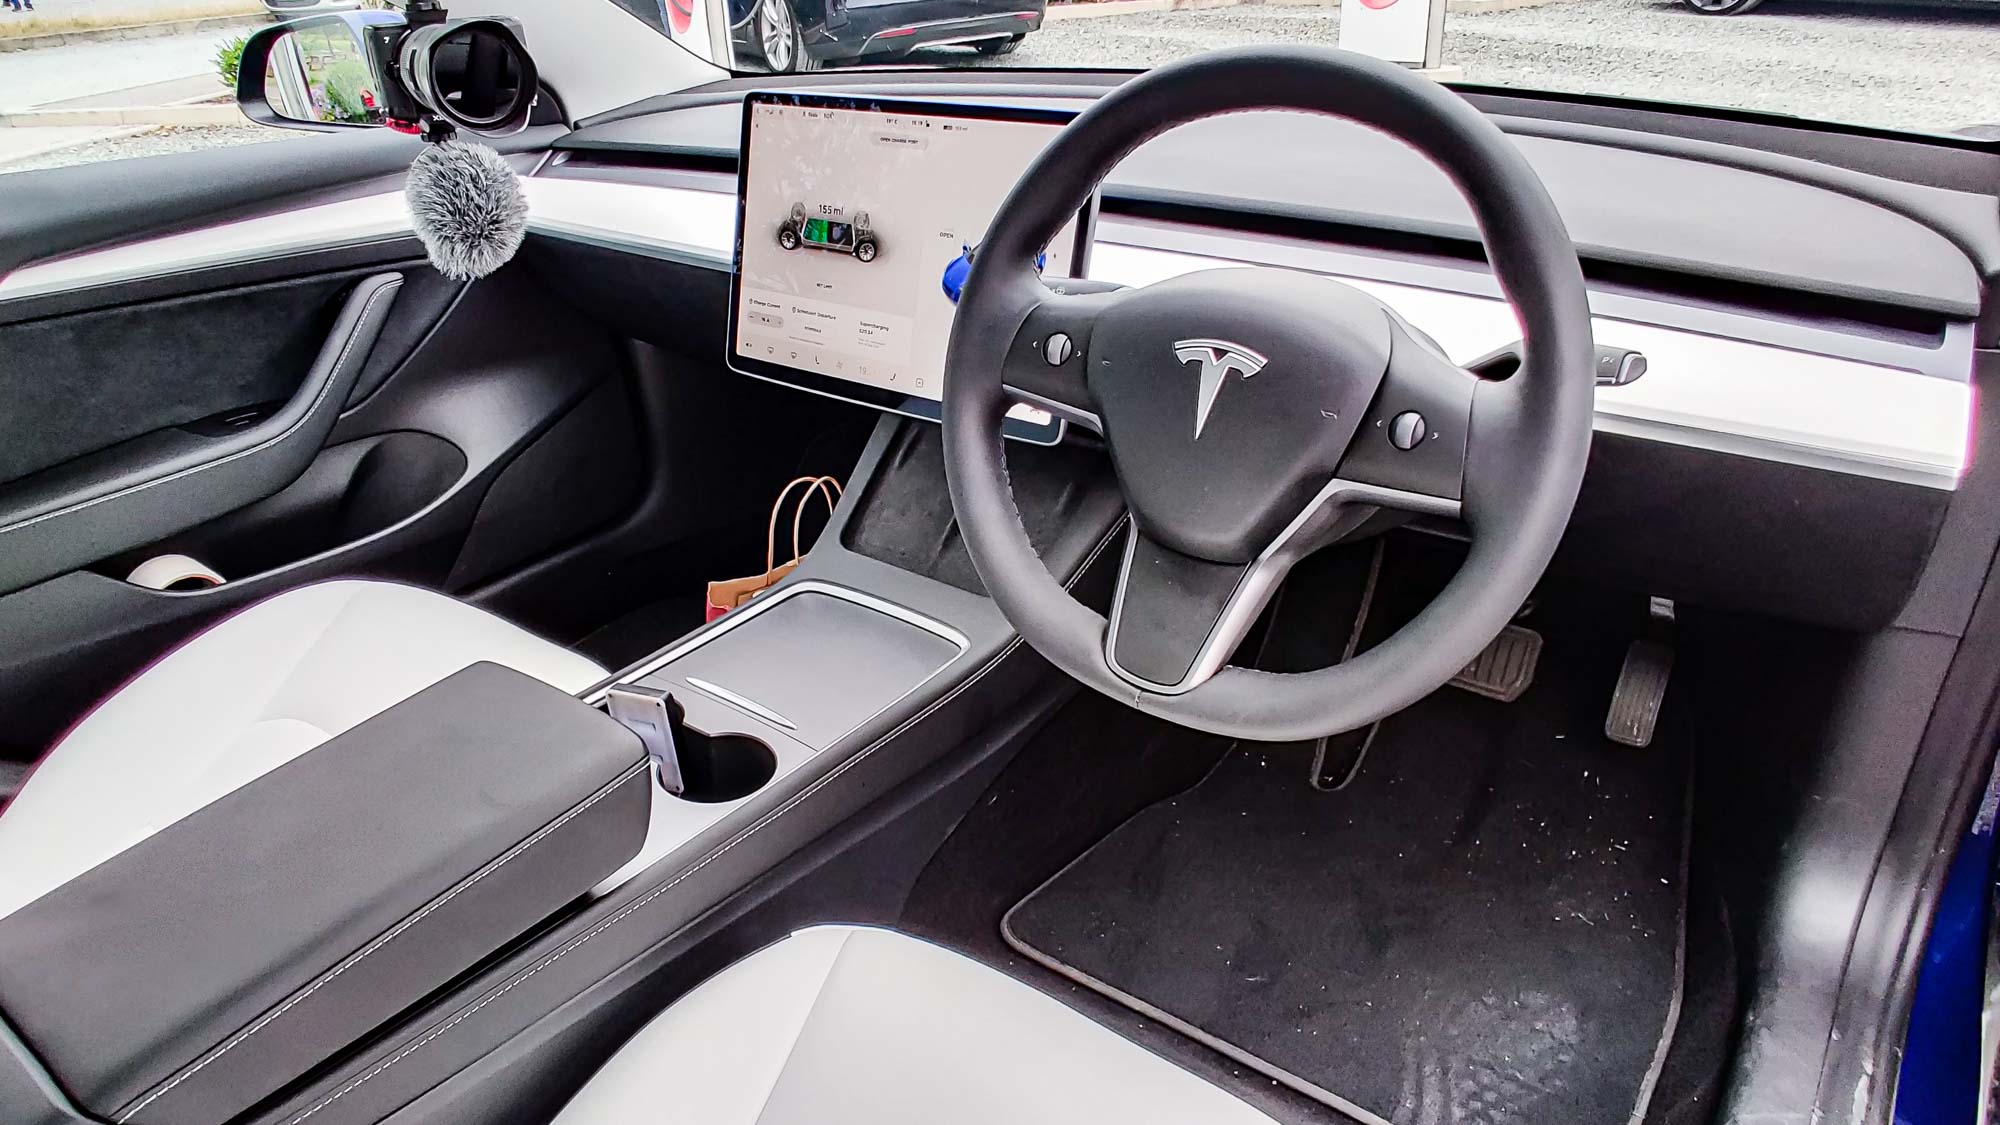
(320, 71)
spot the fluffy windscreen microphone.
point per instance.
(467, 207)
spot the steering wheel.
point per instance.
(1254, 415)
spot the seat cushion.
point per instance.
(250, 694)
(841, 1025)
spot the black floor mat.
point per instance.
(1484, 926)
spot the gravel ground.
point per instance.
(154, 142)
(1934, 69)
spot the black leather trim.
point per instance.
(150, 486)
(195, 974)
(28, 1095)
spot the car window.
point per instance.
(84, 81)
(1908, 66)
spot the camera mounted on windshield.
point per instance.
(419, 71)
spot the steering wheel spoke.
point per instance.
(1176, 619)
(1410, 452)
(1045, 364)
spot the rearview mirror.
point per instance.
(420, 72)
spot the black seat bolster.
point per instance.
(197, 973)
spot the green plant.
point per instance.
(347, 97)
(229, 60)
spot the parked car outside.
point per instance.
(790, 36)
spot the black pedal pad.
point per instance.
(1507, 666)
(1642, 686)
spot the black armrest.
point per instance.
(193, 975)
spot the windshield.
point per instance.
(1906, 67)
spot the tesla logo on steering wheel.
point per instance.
(1217, 359)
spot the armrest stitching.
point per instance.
(386, 938)
(332, 378)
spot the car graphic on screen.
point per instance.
(827, 227)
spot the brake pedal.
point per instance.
(1642, 681)
(1506, 667)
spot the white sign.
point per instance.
(701, 26)
(1410, 32)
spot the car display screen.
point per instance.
(857, 222)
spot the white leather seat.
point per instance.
(250, 694)
(841, 1025)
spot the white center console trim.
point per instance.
(740, 702)
(737, 617)
(678, 224)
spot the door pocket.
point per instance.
(349, 493)
(150, 486)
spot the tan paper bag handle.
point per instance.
(820, 485)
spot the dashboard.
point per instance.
(1811, 326)
(1887, 401)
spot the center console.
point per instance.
(882, 622)
(858, 224)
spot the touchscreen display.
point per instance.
(857, 224)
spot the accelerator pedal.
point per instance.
(1505, 668)
(1642, 682)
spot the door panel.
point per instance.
(375, 405)
(98, 378)
(165, 479)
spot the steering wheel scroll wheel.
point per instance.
(1254, 415)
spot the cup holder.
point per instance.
(722, 767)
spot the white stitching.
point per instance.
(389, 936)
(331, 379)
(705, 861)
